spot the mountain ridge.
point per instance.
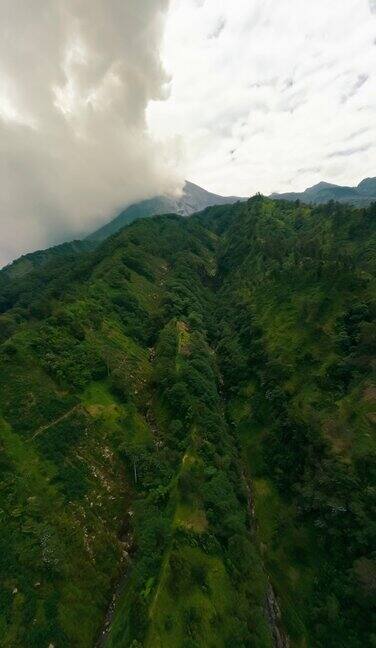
(361, 195)
(193, 199)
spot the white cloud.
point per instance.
(265, 94)
(75, 79)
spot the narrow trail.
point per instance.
(43, 428)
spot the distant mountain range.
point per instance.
(361, 196)
(193, 199)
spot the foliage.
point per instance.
(202, 389)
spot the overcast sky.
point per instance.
(76, 77)
(106, 102)
(271, 95)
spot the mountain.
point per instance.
(193, 199)
(362, 195)
(28, 262)
(187, 447)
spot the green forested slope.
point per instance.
(297, 349)
(187, 420)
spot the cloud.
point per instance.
(271, 88)
(76, 77)
(258, 96)
(361, 80)
(358, 132)
(218, 29)
(350, 151)
(309, 170)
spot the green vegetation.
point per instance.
(297, 350)
(197, 393)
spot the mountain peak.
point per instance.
(367, 185)
(193, 199)
(321, 185)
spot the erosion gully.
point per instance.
(272, 608)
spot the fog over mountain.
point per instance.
(76, 79)
(193, 199)
(104, 104)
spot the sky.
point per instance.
(107, 102)
(271, 95)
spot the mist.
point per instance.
(76, 77)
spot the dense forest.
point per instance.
(187, 446)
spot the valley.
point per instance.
(187, 434)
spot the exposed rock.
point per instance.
(273, 613)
